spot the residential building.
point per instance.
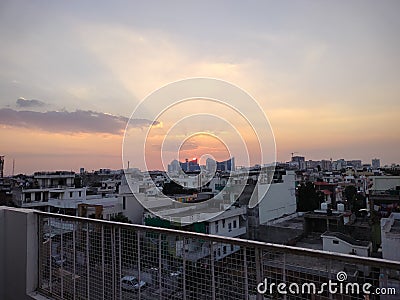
(356, 163)
(56, 192)
(276, 199)
(390, 237)
(341, 243)
(384, 195)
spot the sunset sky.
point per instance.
(327, 74)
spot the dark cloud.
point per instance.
(64, 121)
(21, 102)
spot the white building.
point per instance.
(390, 235)
(341, 243)
(49, 189)
(278, 200)
(55, 192)
(230, 223)
(383, 183)
(141, 186)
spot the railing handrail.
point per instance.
(375, 262)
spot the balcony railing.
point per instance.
(92, 259)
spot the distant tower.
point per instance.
(376, 163)
(1, 166)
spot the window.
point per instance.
(216, 227)
(123, 203)
(224, 249)
(229, 226)
(335, 242)
(231, 248)
(70, 194)
(223, 223)
(219, 251)
(80, 194)
(234, 223)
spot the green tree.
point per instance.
(172, 188)
(307, 197)
(355, 200)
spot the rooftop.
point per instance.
(395, 227)
(346, 238)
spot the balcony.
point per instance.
(51, 256)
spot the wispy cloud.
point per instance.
(26, 103)
(79, 121)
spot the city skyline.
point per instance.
(327, 76)
(201, 161)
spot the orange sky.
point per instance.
(327, 77)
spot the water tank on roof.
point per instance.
(324, 206)
(340, 207)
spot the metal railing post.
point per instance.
(284, 272)
(139, 271)
(74, 258)
(40, 251)
(159, 265)
(246, 278)
(62, 258)
(212, 270)
(50, 257)
(184, 269)
(120, 261)
(113, 261)
(87, 262)
(102, 261)
(258, 262)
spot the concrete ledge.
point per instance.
(18, 253)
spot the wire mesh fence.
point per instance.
(91, 259)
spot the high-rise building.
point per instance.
(190, 165)
(326, 165)
(357, 164)
(376, 163)
(1, 166)
(339, 164)
(300, 162)
(211, 165)
(174, 166)
(226, 165)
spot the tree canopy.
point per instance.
(307, 198)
